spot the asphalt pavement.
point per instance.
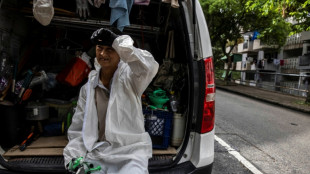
(278, 98)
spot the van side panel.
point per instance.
(204, 37)
(203, 42)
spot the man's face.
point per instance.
(107, 57)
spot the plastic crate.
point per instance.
(158, 124)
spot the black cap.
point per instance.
(105, 36)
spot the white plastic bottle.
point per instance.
(173, 102)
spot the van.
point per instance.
(38, 99)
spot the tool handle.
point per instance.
(24, 144)
(27, 79)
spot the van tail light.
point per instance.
(209, 99)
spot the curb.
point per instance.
(265, 100)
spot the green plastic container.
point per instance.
(159, 98)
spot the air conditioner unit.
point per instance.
(304, 61)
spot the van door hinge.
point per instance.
(196, 56)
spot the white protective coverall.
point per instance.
(128, 146)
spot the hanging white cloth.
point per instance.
(276, 62)
(43, 11)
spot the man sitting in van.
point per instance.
(107, 128)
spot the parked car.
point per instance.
(33, 126)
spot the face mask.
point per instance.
(43, 11)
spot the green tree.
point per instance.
(228, 19)
(224, 18)
(296, 10)
(300, 11)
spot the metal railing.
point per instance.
(295, 84)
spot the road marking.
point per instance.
(237, 155)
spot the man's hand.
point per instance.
(78, 165)
(75, 164)
(103, 36)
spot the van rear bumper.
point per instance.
(185, 168)
(14, 168)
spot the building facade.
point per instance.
(285, 69)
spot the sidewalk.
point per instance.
(285, 100)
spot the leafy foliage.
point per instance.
(228, 19)
(288, 17)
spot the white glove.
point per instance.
(96, 3)
(82, 8)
